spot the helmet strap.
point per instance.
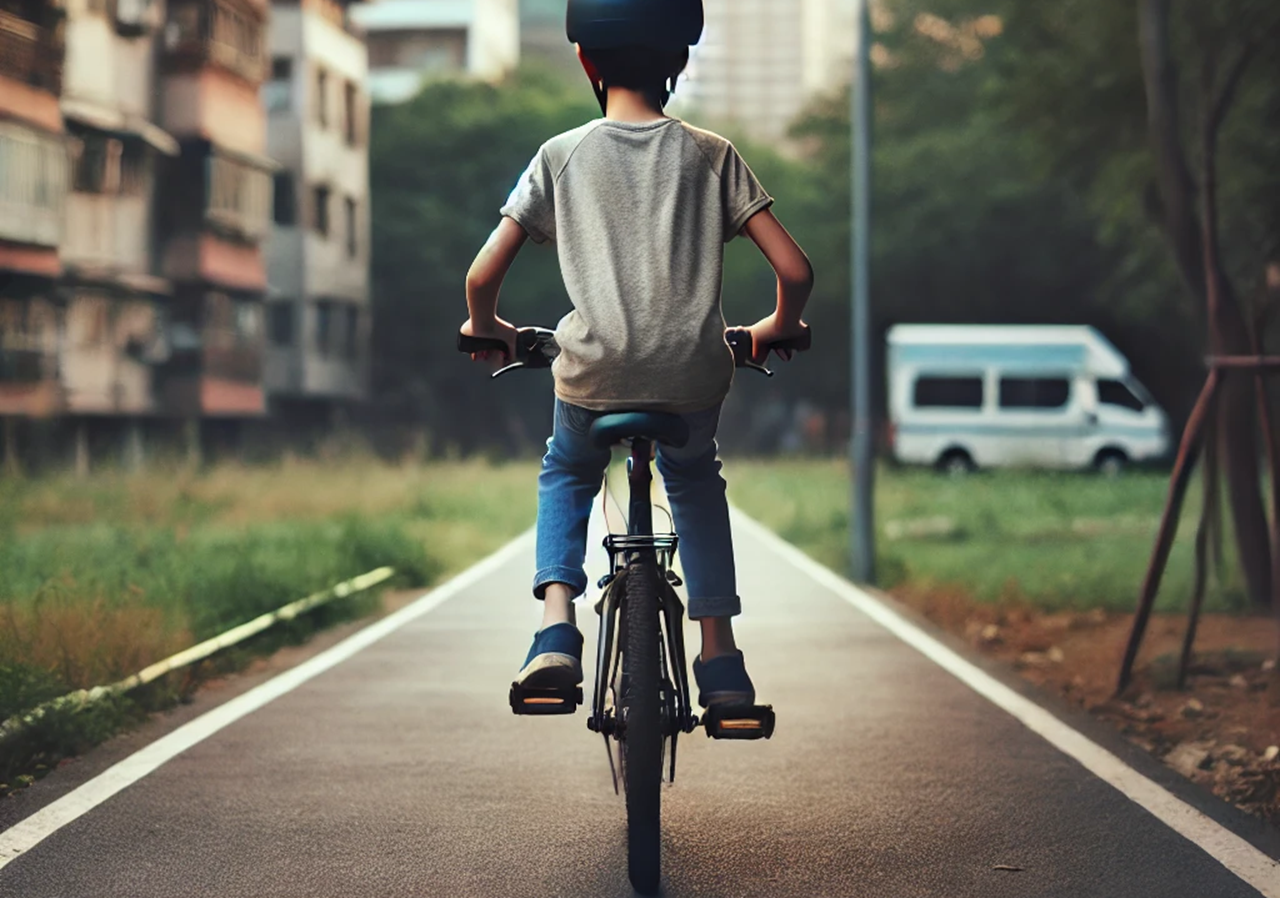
(602, 94)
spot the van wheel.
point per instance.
(956, 463)
(1111, 463)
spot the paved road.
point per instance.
(401, 773)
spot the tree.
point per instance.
(441, 166)
(1138, 105)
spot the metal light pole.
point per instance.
(862, 449)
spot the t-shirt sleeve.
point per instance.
(743, 195)
(532, 203)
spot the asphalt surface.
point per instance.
(401, 772)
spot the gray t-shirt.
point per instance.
(639, 214)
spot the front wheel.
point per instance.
(642, 735)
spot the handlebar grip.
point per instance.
(480, 344)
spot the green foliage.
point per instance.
(1053, 540)
(441, 166)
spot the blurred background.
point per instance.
(234, 236)
(242, 227)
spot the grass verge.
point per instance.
(1057, 541)
(106, 575)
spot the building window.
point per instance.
(97, 164)
(1034, 392)
(281, 323)
(285, 201)
(277, 93)
(1116, 392)
(353, 243)
(350, 331)
(350, 110)
(320, 210)
(949, 392)
(322, 97)
(324, 326)
(248, 322)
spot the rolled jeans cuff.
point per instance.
(574, 578)
(725, 606)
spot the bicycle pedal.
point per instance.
(527, 700)
(739, 721)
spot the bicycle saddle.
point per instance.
(668, 430)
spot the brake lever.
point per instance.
(507, 370)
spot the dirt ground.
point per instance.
(1222, 731)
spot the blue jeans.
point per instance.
(572, 472)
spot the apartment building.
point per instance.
(33, 184)
(318, 315)
(215, 208)
(114, 303)
(761, 61)
(412, 40)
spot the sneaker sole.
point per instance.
(551, 670)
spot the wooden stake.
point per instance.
(1188, 451)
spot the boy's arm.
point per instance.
(484, 281)
(795, 282)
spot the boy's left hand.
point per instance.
(497, 330)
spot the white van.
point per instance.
(966, 396)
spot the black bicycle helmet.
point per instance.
(660, 24)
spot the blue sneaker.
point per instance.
(723, 681)
(555, 660)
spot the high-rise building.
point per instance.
(761, 61)
(410, 40)
(542, 35)
(33, 183)
(318, 317)
(115, 304)
(215, 207)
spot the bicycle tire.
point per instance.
(642, 741)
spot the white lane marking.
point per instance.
(26, 834)
(1224, 846)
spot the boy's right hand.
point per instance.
(771, 330)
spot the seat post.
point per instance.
(640, 520)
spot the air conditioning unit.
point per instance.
(137, 17)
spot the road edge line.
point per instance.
(1237, 855)
(29, 832)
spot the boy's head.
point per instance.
(640, 45)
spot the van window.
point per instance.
(1117, 392)
(1034, 392)
(948, 392)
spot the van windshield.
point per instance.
(1120, 393)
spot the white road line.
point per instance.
(25, 835)
(1224, 846)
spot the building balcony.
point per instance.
(228, 34)
(33, 185)
(31, 46)
(107, 234)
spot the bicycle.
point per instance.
(641, 700)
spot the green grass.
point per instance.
(1058, 540)
(106, 575)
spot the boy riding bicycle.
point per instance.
(639, 206)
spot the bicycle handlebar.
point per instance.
(536, 347)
